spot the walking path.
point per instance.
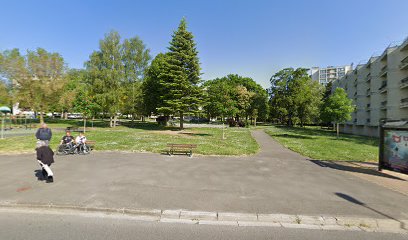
(275, 181)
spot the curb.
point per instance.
(223, 218)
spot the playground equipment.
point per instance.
(9, 122)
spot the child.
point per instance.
(81, 139)
(45, 157)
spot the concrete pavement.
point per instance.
(274, 181)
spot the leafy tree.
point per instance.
(307, 97)
(241, 97)
(220, 99)
(338, 108)
(152, 90)
(115, 72)
(294, 96)
(5, 96)
(37, 77)
(136, 59)
(84, 104)
(181, 78)
(106, 75)
(74, 81)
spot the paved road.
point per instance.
(15, 225)
(274, 181)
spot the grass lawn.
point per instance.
(146, 137)
(321, 144)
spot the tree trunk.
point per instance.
(84, 125)
(110, 121)
(255, 121)
(181, 121)
(337, 129)
(41, 118)
(115, 119)
(223, 128)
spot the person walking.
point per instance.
(44, 134)
(45, 157)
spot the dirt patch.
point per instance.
(22, 189)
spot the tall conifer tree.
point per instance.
(182, 93)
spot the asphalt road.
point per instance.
(274, 181)
(15, 225)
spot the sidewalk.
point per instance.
(395, 181)
(275, 181)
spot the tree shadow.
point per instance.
(295, 136)
(196, 134)
(151, 126)
(356, 169)
(370, 141)
(356, 201)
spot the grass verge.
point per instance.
(322, 144)
(146, 137)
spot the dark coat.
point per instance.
(43, 134)
(45, 155)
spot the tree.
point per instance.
(74, 82)
(152, 90)
(307, 96)
(5, 96)
(136, 59)
(338, 108)
(241, 97)
(294, 96)
(181, 78)
(106, 75)
(115, 72)
(37, 77)
(84, 104)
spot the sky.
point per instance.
(253, 38)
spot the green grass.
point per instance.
(146, 137)
(321, 144)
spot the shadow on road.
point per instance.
(357, 169)
(356, 201)
(39, 175)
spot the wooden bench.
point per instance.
(181, 148)
(91, 143)
(73, 129)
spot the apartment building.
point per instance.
(379, 89)
(329, 74)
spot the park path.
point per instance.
(276, 180)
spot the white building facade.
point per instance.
(379, 89)
(329, 74)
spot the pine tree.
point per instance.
(182, 78)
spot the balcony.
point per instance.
(404, 45)
(404, 83)
(368, 78)
(383, 105)
(404, 63)
(404, 103)
(383, 87)
(384, 71)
